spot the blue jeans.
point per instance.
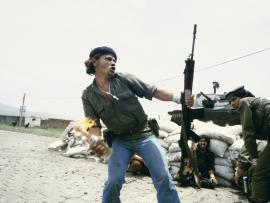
(150, 150)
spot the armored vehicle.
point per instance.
(216, 109)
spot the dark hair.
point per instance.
(96, 53)
(90, 69)
(206, 139)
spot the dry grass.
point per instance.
(51, 132)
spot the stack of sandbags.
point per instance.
(174, 157)
(169, 134)
(227, 134)
(224, 143)
(62, 143)
(234, 150)
(72, 143)
(221, 139)
(225, 169)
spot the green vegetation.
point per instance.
(51, 132)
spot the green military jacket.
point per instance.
(122, 111)
(255, 121)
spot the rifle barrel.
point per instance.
(193, 42)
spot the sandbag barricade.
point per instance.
(225, 143)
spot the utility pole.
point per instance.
(22, 111)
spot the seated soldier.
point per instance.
(205, 162)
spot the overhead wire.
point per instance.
(215, 65)
(231, 60)
(175, 77)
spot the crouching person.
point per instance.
(255, 121)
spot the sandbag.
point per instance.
(226, 154)
(237, 145)
(176, 163)
(174, 148)
(168, 126)
(223, 162)
(172, 139)
(223, 182)
(67, 130)
(84, 150)
(213, 131)
(176, 131)
(231, 154)
(218, 147)
(173, 157)
(225, 172)
(163, 134)
(174, 170)
(233, 150)
(163, 143)
(235, 130)
(57, 145)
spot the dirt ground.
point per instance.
(31, 173)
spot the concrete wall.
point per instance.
(54, 123)
(48, 123)
(32, 121)
(9, 120)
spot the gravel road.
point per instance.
(31, 173)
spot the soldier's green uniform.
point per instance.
(255, 120)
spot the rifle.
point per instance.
(188, 116)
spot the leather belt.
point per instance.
(131, 132)
(144, 129)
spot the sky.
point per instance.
(44, 43)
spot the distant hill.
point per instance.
(14, 111)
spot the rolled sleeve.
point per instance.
(140, 88)
(89, 110)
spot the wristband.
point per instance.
(176, 99)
